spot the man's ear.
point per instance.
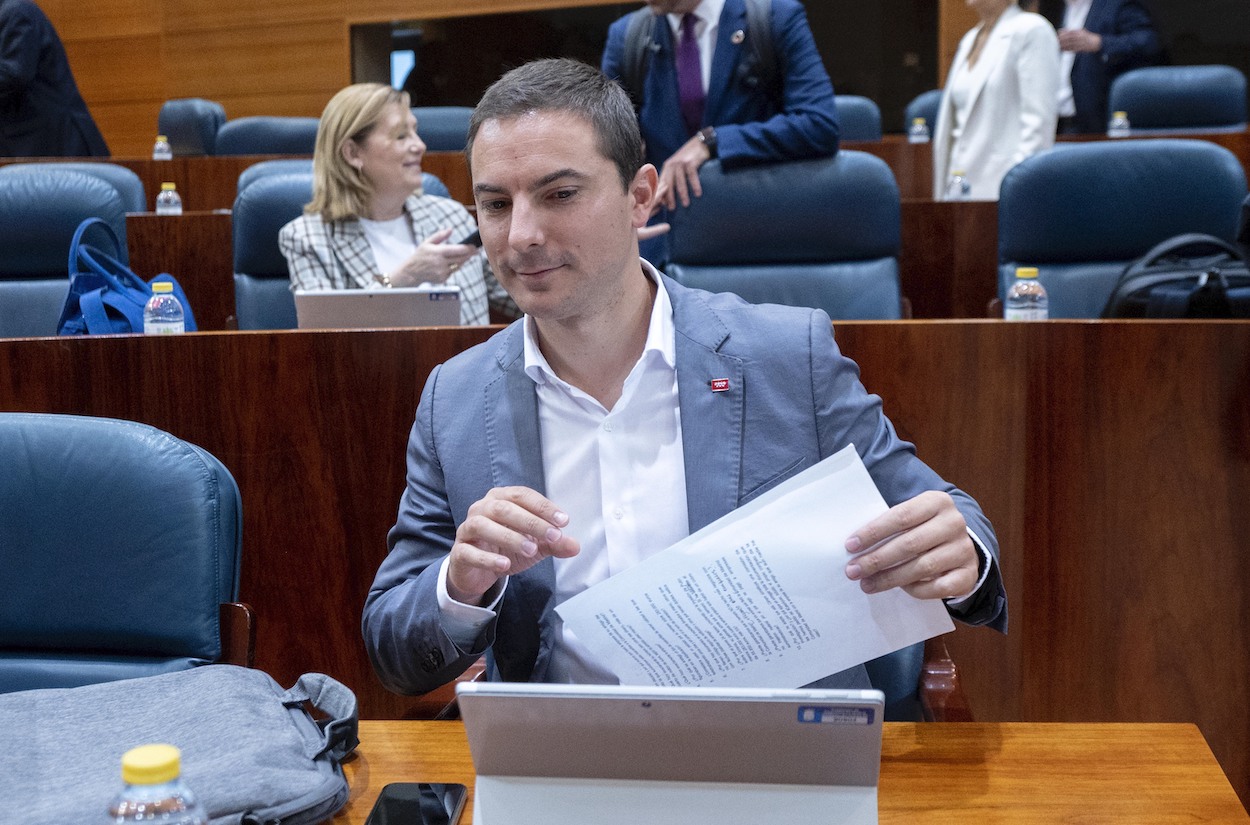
(644, 188)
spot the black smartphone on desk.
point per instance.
(418, 803)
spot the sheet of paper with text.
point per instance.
(758, 598)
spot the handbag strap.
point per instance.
(94, 315)
(76, 242)
(334, 699)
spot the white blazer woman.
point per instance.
(999, 103)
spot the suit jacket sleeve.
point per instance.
(410, 651)
(19, 53)
(806, 124)
(1038, 77)
(847, 413)
(1133, 38)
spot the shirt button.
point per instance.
(607, 426)
(618, 513)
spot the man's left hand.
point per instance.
(679, 179)
(921, 545)
(1079, 40)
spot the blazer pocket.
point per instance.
(772, 481)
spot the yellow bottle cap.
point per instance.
(168, 187)
(151, 765)
(1026, 272)
(918, 120)
(162, 286)
(162, 139)
(1120, 114)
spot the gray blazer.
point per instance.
(793, 400)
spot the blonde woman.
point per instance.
(999, 104)
(369, 225)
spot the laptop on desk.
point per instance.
(428, 305)
(615, 755)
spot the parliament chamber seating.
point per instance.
(121, 553)
(39, 211)
(127, 183)
(1181, 99)
(443, 128)
(267, 135)
(262, 284)
(1083, 211)
(859, 118)
(430, 184)
(821, 233)
(191, 125)
(923, 105)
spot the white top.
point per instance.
(705, 30)
(392, 242)
(619, 474)
(1073, 18)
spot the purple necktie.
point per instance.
(690, 75)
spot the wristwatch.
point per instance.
(708, 135)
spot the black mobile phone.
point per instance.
(418, 803)
(475, 239)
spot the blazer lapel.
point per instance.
(996, 44)
(352, 252)
(725, 58)
(711, 395)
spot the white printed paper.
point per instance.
(759, 598)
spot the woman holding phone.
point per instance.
(369, 225)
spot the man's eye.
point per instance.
(564, 194)
(492, 206)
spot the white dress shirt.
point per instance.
(1073, 18)
(619, 474)
(706, 29)
(392, 243)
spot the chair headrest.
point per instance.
(191, 124)
(39, 211)
(267, 135)
(859, 118)
(1180, 97)
(1113, 200)
(809, 211)
(128, 184)
(443, 128)
(260, 211)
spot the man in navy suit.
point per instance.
(1100, 40)
(785, 113)
(623, 413)
(41, 112)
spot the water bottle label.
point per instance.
(1031, 314)
(164, 327)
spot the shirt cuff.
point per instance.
(988, 558)
(463, 623)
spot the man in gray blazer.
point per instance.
(621, 414)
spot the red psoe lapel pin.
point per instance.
(720, 385)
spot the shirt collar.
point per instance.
(660, 334)
(708, 13)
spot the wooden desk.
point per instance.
(930, 773)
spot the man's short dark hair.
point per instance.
(563, 85)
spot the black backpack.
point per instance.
(758, 70)
(1187, 276)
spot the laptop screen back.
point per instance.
(424, 306)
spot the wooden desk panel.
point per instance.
(197, 249)
(1112, 458)
(951, 774)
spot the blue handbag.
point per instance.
(106, 296)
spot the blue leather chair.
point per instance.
(191, 124)
(125, 181)
(267, 135)
(859, 118)
(1082, 212)
(121, 543)
(430, 184)
(819, 233)
(262, 284)
(39, 211)
(923, 105)
(443, 128)
(1181, 99)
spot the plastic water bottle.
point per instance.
(163, 313)
(958, 189)
(1026, 299)
(161, 150)
(153, 792)
(1118, 126)
(168, 202)
(919, 131)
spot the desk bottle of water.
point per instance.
(1026, 299)
(161, 150)
(958, 189)
(919, 131)
(163, 314)
(153, 792)
(169, 202)
(1118, 126)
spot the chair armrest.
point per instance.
(238, 634)
(942, 697)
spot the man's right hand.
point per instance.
(507, 532)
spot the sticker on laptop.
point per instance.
(826, 715)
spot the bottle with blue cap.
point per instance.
(153, 791)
